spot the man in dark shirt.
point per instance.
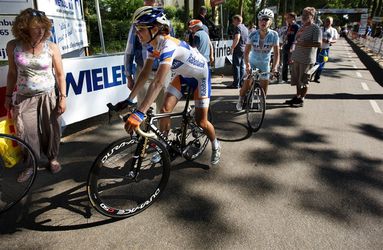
(213, 31)
(288, 41)
(237, 50)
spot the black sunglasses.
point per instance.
(36, 13)
(265, 19)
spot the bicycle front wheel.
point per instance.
(18, 168)
(121, 183)
(255, 107)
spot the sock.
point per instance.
(215, 144)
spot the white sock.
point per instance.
(215, 144)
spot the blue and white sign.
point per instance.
(61, 8)
(91, 84)
(69, 35)
(13, 7)
(221, 52)
(6, 23)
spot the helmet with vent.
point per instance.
(149, 15)
(266, 13)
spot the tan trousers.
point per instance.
(37, 123)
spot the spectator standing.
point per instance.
(237, 50)
(329, 37)
(137, 52)
(210, 26)
(36, 108)
(308, 39)
(201, 40)
(288, 40)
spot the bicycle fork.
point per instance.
(139, 155)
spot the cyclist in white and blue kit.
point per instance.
(189, 66)
(258, 53)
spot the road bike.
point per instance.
(255, 101)
(131, 173)
(12, 191)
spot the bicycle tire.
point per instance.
(12, 191)
(111, 190)
(196, 139)
(255, 107)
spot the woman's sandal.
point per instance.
(25, 175)
(55, 166)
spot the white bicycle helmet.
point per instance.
(149, 15)
(266, 13)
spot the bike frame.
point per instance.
(149, 126)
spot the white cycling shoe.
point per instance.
(239, 104)
(216, 155)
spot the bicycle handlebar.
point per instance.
(120, 105)
(256, 71)
(145, 134)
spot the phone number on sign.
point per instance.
(4, 32)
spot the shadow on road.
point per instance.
(341, 192)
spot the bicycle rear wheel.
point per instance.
(196, 139)
(255, 107)
(12, 163)
(121, 183)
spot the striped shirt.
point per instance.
(310, 34)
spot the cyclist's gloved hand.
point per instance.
(134, 120)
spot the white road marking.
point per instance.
(358, 74)
(217, 100)
(365, 86)
(375, 107)
(354, 66)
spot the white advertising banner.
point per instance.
(9, 7)
(221, 52)
(61, 8)
(343, 11)
(69, 34)
(91, 84)
(6, 23)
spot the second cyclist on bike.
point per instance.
(258, 53)
(190, 68)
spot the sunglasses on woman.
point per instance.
(36, 13)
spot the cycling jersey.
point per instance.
(190, 67)
(260, 54)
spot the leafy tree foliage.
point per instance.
(117, 14)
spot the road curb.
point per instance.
(372, 65)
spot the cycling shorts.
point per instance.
(200, 87)
(263, 66)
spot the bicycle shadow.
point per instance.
(230, 125)
(55, 204)
(51, 213)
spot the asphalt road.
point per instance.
(311, 178)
